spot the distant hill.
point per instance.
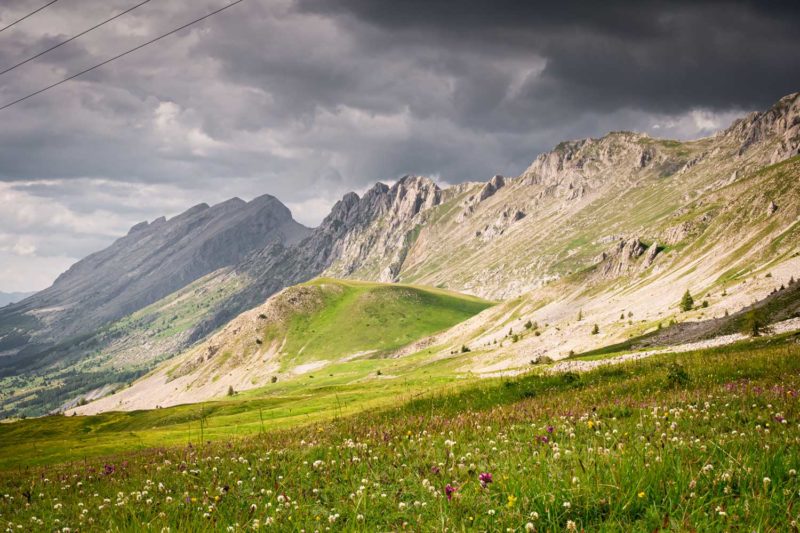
(13, 297)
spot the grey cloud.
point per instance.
(308, 99)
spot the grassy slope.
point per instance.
(631, 448)
(360, 316)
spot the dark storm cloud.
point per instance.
(660, 56)
(308, 99)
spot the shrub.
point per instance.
(514, 337)
(677, 376)
(528, 324)
(595, 329)
(570, 377)
(231, 392)
(704, 304)
(273, 379)
(465, 348)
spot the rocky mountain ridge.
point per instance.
(152, 261)
(590, 215)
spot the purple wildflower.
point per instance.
(550, 429)
(485, 478)
(449, 490)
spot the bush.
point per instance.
(465, 348)
(231, 392)
(570, 378)
(514, 337)
(595, 329)
(273, 379)
(528, 324)
(677, 376)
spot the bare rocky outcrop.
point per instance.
(781, 121)
(624, 257)
(491, 187)
(771, 208)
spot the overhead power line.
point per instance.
(62, 43)
(28, 15)
(123, 54)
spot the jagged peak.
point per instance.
(138, 227)
(780, 122)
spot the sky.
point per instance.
(309, 99)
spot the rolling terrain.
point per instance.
(605, 232)
(341, 326)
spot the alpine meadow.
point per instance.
(292, 265)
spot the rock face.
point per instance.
(622, 258)
(383, 228)
(781, 120)
(574, 167)
(152, 261)
(491, 187)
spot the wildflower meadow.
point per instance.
(621, 448)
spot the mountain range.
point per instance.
(607, 232)
(11, 297)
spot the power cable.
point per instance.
(28, 15)
(123, 54)
(62, 43)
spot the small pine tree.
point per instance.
(465, 348)
(622, 316)
(231, 392)
(528, 324)
(510, 332)
(514, 337)
(754, 324)
(580, 315)
(687, 302)
(595, 329)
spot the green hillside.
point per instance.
(353, 317)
